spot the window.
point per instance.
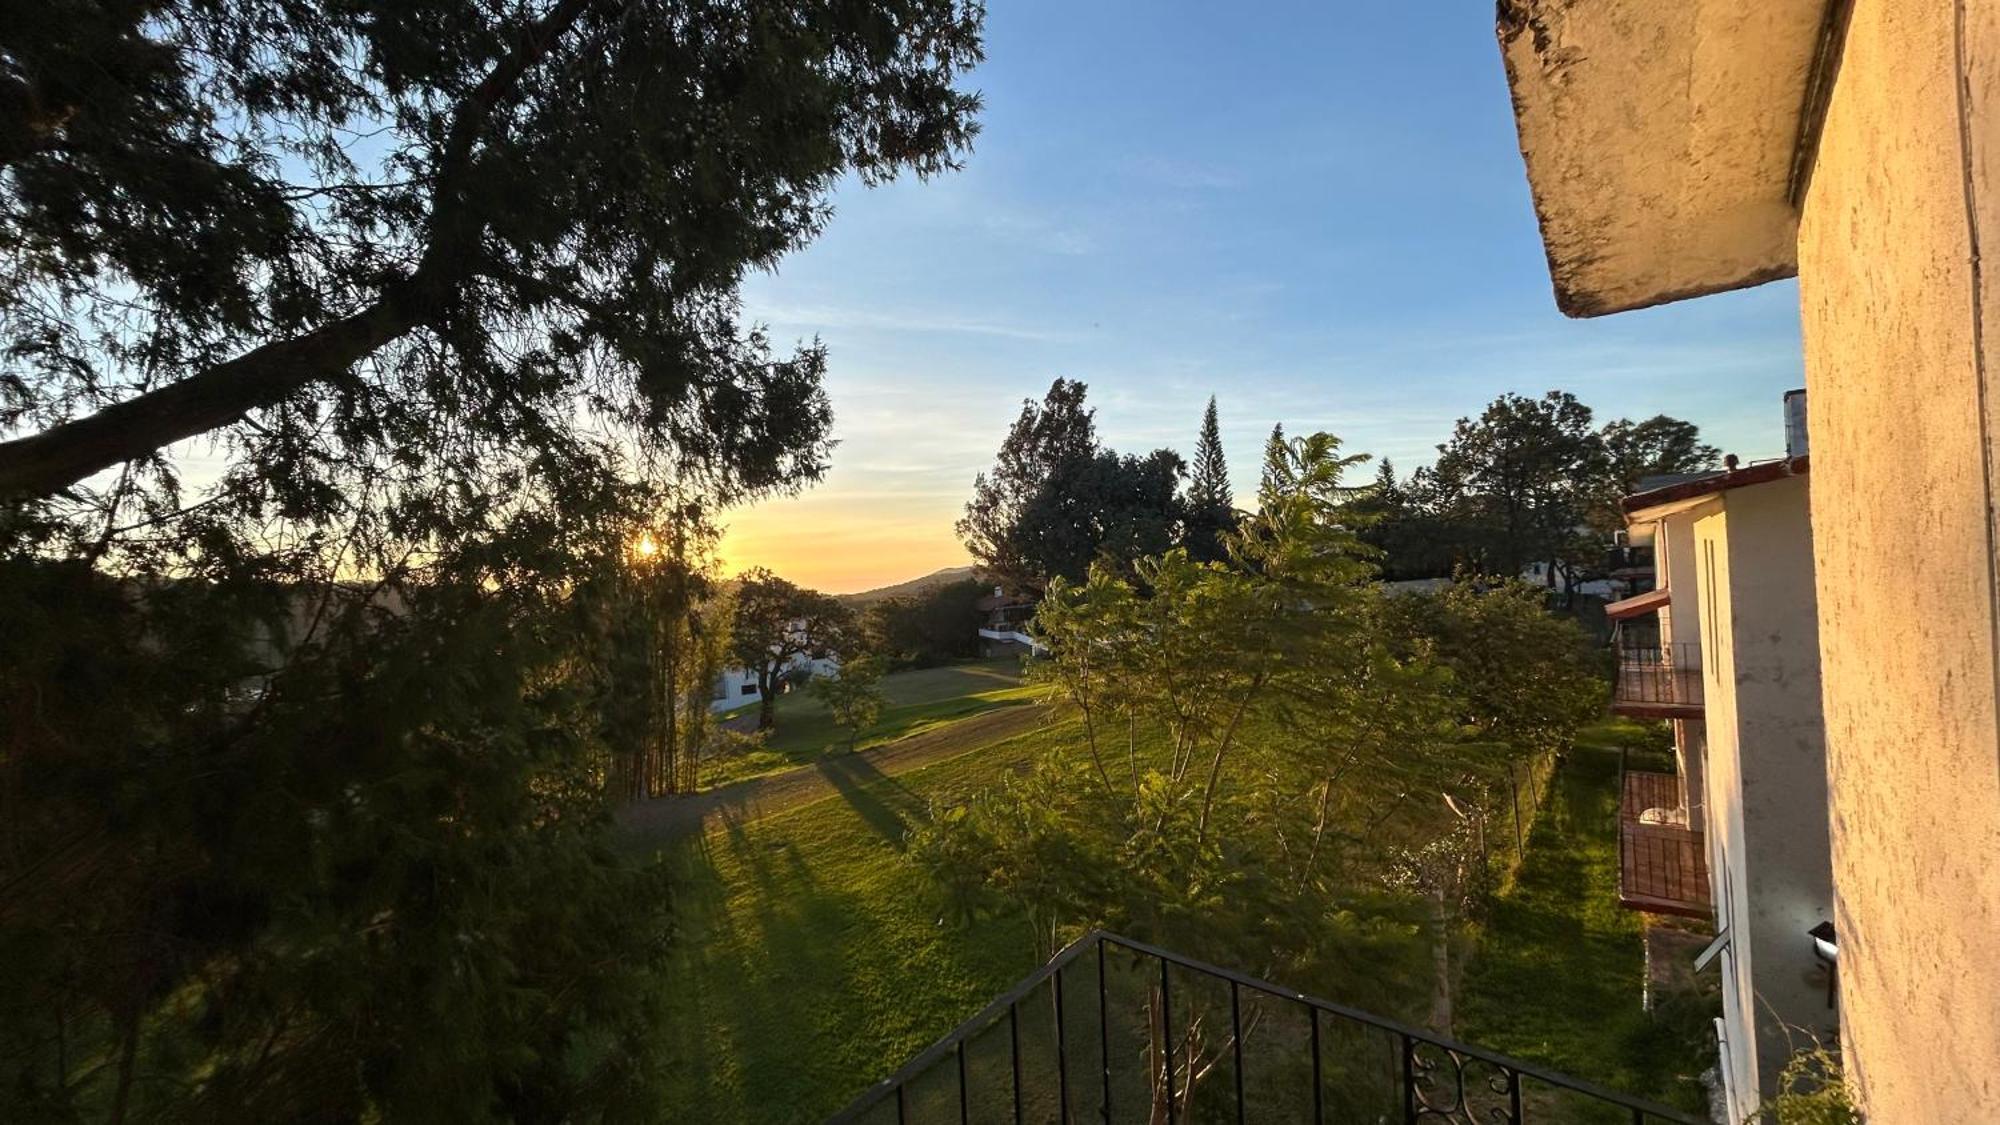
(749, 689)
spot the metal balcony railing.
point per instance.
(1115, 1030)
(1659, 676)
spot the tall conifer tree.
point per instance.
(1211, 510)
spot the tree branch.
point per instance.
(56, 458)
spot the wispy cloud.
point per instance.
(821, 317)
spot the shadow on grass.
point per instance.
(881, 800)
(809, 961)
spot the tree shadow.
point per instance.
(882, 801)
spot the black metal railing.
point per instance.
(1116, 1030)
(1659, 675)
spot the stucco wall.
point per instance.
(1768, 761)
(1680, 623)
(1901, 490)
(1727, 851)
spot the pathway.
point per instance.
(774, 793)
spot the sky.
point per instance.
(1316, 213)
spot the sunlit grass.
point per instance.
(1560, 967)
(917, 701)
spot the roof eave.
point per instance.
(1661, 139)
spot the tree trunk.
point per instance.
(1440, 1020)
(767, 700)
(1514, 799)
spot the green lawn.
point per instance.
(1558, 973)
(916, 701)
(812, 958)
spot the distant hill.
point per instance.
(904, 589)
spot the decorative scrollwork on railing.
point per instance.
(1460, 1089)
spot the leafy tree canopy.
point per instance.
(1531, 480)
(777, 624)
(853, 695)
(309, 821)
(1056, 500)
(405, 263)
(929, 628)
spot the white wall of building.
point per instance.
(1765, 773)
(736, 687)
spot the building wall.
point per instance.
(730, 691)
(1707, 555)
(1674, 542)
(1766, 768)
(1904, 199)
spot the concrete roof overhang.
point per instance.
(1667, 141)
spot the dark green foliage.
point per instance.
(303, 760)
(1521, 676)
(1056, 500)
(924, 630)
(463, 238)
(1527, 482)
(1211, 503)
(1411, 540)
(852, 696)
(1517, 482)
(373, 882)
(1244, 734)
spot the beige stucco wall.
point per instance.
(1766, 777)
(1725, 825)
(1901, 481)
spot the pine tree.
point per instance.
(1211, 511)
(1274, 453)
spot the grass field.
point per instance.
(813, 957)
(1560, 965)
(916, 701)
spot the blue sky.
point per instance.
(1315, 212)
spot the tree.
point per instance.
(1660, 445)
(853, 695)
(1519, 484)
(320, 750)
(926, 629)
(1396, 519)
(665, 636)
(1239, 725)
(345, 234)
(1056, 500)
(778, 624)
(1211, 503)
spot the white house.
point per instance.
(736, 687)
(1726, 646)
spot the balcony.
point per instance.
(1628, 562)
(1662, 868)
(1659, 682)
(1115, 1030)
